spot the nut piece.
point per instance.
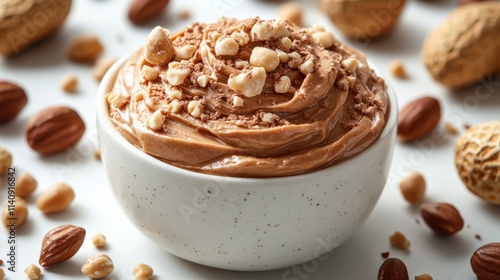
(12, 100)
(485, 262)
(418, 118)
(142, 272)
(450, 128)
(102, 66)
(185, 53)
(14, 213)
(55, 199)
(282, 85)
(99, 240)
(143, 10)
(364, 19)
(393, 269)
(150, 73)
(442, 218)
(60, 244)
(24, 23)
(84, 49)
(5, 160)
(226, 46)
(177, 72)
(325, 38)
(238, 101)
(476, 159)
(156, 120)
(423, 277)
(98, 266)
(25, 185)
(291, 12)
(249, 83)
(412, 187)
(159, 49)
(54, 129)
(195, 108)
(32, 271)
(70, 83)
(262, 31)
(466, 28)
(265, 58)
(397, 69)
(399, 241)
(351, 64)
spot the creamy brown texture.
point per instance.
(328, 119)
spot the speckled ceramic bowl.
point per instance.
(243, 223)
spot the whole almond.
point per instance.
(60, 244)
(442, 218)
(393, 269)
(485, 262)
(56, 198)
(22, 23)
(54, 129)
(12, 100)
(143, 10)
(418, 118)
(14, 213)
(84, 49)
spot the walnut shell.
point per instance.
(477, 158)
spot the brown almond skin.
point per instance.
(418, 118)
(485, 262)
(12, 100)
(393, 269)
(143, 10)
(60, 244)
(54, 129)
(442, 218)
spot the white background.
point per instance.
(40, 70)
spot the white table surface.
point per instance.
(40, 70)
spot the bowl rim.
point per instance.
(105, 124)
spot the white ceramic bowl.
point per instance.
(243, 223)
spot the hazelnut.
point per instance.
(280, 30)
(156, 120)
(227, 46)
(249, 83)
(325, 38)
(175, 106)
(262, 31)
(306, 67)
(294, 60)
(70, 83)
(150, 73)
(99, 240)
(399, 240)
(265, 58)
(159, 49)
(412, 186)
(282, 85)
(177, 73)
(195, 108)
(241, 37)
(185, 53)
(351, 64)
(25, 185)
(238, 101)
(142, 272)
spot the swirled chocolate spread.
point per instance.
(248, 98)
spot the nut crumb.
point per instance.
(450, 128)
(99, 240)
(398, 240)
(69, 83)
(185, 14)
(142, 272)
(398, 70)
(385, 255)
(156, 120)
(478, 237)
(98, 266)
(32, 271)
(97, 154)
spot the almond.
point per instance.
(442, 218)
(12, 100)
(393, 269)
(54, 130)
(418, 118)
(60, 244)
(485, 262)
(143, 10)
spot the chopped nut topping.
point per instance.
(325, 38)
(351, 64)
(295, 60)
(267, 118)
(185, 53)
(249, 83)
(241, 37)
(177, 73)
(265, 58)
(280, 30)
(203, 80)
(195, 108)
(155, 122)
(282, 85)
(99, 240)
(176, 93)
(159, 49)
(262, 31)
(175, 106)
(286, 43)
(150, 73)
(283, 56)
(306, 67)
(118, 99)
(238, 101)
(351, 80)
(240, 64)
(32, 271)
(226, 46)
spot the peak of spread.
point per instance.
(249, 98)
